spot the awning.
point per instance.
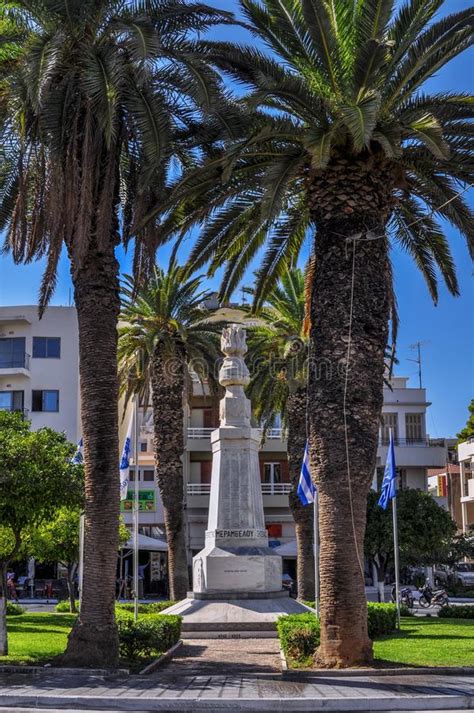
(287, 550)
(150, 544)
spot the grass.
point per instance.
(36, 638)
(429, 642)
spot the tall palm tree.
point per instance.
(278, 352)
(165, 338)
(90, 118)
(338, 137)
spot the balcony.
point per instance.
(415, 452)
(15, 365)
(468, 488)
(204, 489)
(199, 432)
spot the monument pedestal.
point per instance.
(237, 577)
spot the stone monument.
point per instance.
(237, 577)
(236, 557)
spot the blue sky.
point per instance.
(446, 331)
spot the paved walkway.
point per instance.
(235, 675)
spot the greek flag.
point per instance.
(125, 462)
(78, 458)
(306, 490)
(389, 483)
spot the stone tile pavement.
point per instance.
(235, 675)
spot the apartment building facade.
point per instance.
(39, 366)
(404, 412)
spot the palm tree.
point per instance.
(278, 352)
(90, 117)
(164, 340)
(337, 138)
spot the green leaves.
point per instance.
(428, 130)
(361, 119)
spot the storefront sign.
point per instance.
(146, 501)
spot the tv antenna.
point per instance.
(417, 348)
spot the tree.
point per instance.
(425, 532)
(468, 430)
(99, 103)
(337, 138)
(278, 351)
(57, 540)
(36, 479)
(165, 337)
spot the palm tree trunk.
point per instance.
(94, 640)
(167, 382)
(302, 515)
(342, 493)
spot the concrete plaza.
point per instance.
(236, 675)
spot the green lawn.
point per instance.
(429, 642)
(36, 638)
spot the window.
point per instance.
(414, 423)
(143, 446)
(149, 476)
(12, 352)
(46, 347)
(11, 400)
(272, 473)
(47, 400)
(389, 421)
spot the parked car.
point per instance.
(442, 575)
(463, 574)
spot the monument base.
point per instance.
(234, 618)
(236, 569)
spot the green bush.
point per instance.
(405, 611)
(382, 619)
(299, 635)
(457, 612)
(14, 609)
(63, 606)
(151, 608)
(150, 635)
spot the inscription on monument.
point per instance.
(236, 534)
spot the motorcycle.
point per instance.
(405, 595)
(430, 598)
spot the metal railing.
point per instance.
(17, 361)
(267, 488)
(415, 442)
(203, 433)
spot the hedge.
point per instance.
(151, 608)
(299, 634)
(458, 612)
(14, 609)
(64, 606)
(149, 636)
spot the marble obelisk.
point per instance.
(236, 559)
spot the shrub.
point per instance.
(150, 635)
(405, 611)
(14, 609)
(151, 608)
(382, 619)
(458, 612)
(63, 606)
(299, 635)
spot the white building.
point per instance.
(39, 366)
(466, 475)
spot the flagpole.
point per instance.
(316, 553)
(135, 507)
(81, 556)
(395, 548)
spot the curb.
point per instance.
(255, 705)
(164, 658)
(284, 662)
(58, 671)
(405, 671)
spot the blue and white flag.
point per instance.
(389, 483)
(125, 462)
(78, 458)
(306, 489)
